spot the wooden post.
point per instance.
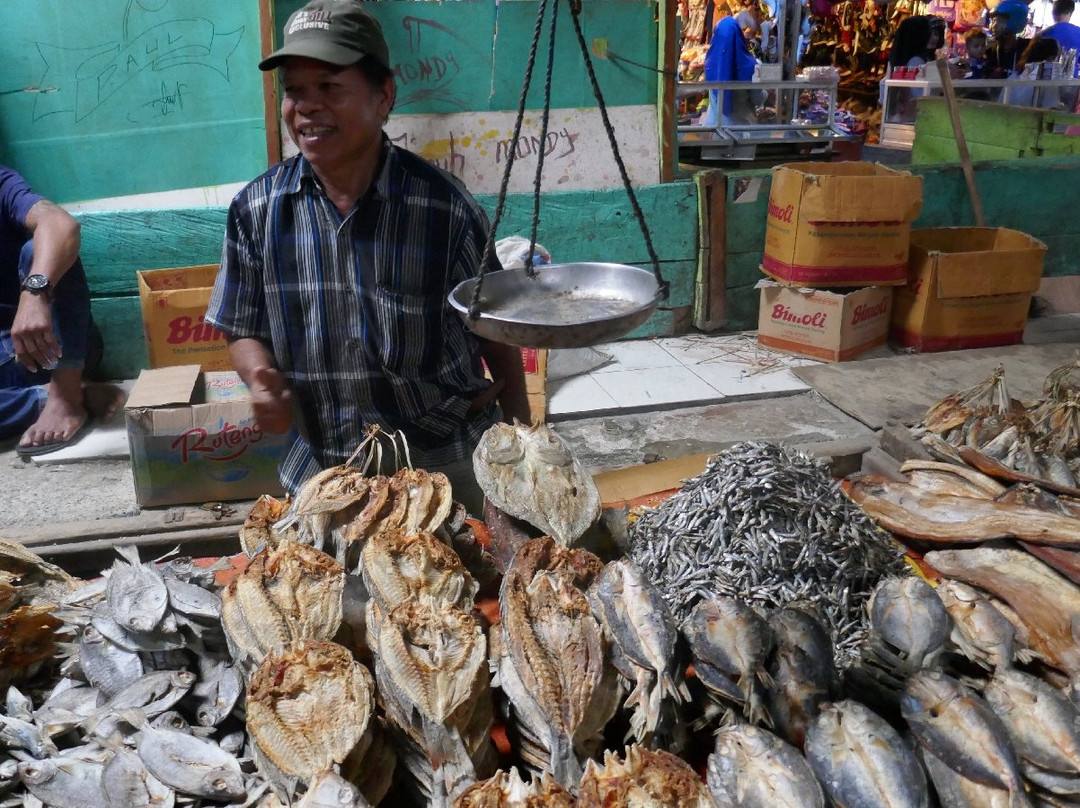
(961, 142)
(271, 107)
(668, 56)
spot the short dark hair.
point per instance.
(1064, 7)
(976, 34)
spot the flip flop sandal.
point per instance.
(56, 445)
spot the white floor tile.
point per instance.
(578, 394)
(740, 381)
(638, 354)
(656, 387)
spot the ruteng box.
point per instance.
(823, 324)
(840, 224)
(968, 287)
(193, 438)
(174, 305)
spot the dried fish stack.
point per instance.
(431, 668)
(309, 708)
(398, 566)
(292, 592)
(551, 661)
(769, 525)
(507, 790)
(258, 530)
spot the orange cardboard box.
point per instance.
(840, 224)
(968, 287)
(823, 324)
(174, 304)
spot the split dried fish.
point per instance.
(643, 779)
(979, 629)
(752, 768)
(1041, 721)
(286, 594)
(308, 707)
(908, 627)
(956, 791)
(258, 530)
(552, 665)
(769, 525)
(399, 566)
(506, 789)
(530, 473)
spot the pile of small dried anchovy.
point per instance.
(769, 525)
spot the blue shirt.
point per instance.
(16, 199)
(355, 308)
(1067, 36)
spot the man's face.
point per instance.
(999, 26)
(333, 114)
(976, 48)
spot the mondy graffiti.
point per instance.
(530, 145)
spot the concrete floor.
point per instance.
(752, 394)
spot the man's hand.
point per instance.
(271, 400)
(36, 346)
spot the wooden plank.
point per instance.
(179, 519)
(271, 104)
(710, 299)
(669, 48)
(961, 142)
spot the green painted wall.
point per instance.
(574, 226)
(472, 54)
(1029, 195)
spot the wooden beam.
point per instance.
(668, 57)
(271, 113)
(710, 297)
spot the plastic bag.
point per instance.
(512, 252)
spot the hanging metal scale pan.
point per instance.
(562, 306)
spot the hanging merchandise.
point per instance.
(563, 305)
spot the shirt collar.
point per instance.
(386, 180)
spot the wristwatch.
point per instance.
(38, 285)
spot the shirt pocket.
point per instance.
(408, 333)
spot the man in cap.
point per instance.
(336, 268)
(1007, 22)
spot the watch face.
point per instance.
(36, 283)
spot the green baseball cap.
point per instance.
(340, 32)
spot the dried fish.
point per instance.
(330, 790)
(642, 779)
(308, 707)
(639, 623)
(1041, 721)
(769, 525)
(217, 691)
(861, 760)
(960, 728)
(908, 627)
(507, 790)
(71, 783)
(136, 592)
(125, 783)
(530, 473)
(753, 768)
(979, 629)
(258, 528)
(191, 765)
(399, 566)
(956, 791)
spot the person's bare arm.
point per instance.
(504, 363)
(56, 248)
(271, 396)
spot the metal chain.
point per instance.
(489, 247)
(575, 11)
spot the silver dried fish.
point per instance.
(190, 765)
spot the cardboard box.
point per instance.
(193, 439)
(840, 224)
(968, 287)
(823, 324)
(535, 362)
(174, 304)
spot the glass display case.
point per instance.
(786, 119)
(900, 96)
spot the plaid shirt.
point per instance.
(354, 308)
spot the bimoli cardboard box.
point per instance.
(840, 224)
(174, 305)
(968, 287)
(193, 439)
(823, 324)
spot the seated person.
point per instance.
(46, 333)
(916, 43)
(1008, 20)
(1040, 51)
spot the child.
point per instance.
(975, 45)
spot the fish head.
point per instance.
(501, 445)
(224, 784)
(36, 772)
(548, 447)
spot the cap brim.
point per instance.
(323, 51)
